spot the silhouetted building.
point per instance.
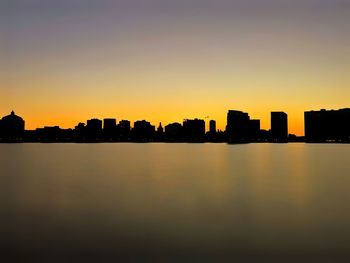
(124, 125)
(143, 131)
(264, 136)
(124, 130)
(110, 128)
(160, 132)
(220, 136)
(12, 127)
(279, 127)
(53, 134)
(194, 130)
(173, 132)
(238, 125)
(160, 128)
(80, 132)
(212, 127)
(109, 125)
(327, 125)
(212, 134)
(254, 130)
(80, 126)
(94, 129)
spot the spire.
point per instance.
(12, 113)
(160, 128)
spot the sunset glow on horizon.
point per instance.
(63, 62)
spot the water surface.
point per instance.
(191, 202)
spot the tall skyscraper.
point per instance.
(110, 128)
(94, 129)
(237, 128)
(254, 130)
(327, 125)
(279, 126)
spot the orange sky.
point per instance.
(63, 64)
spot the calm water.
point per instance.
(189, 202)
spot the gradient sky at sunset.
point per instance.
(62, 62)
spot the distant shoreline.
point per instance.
(155, 142)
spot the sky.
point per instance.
(63, 62)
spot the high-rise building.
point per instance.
(212, 127)
(110, 128)
(94, 129)
(124, 125)
(327, 125)
(254, 130)
(80, 131)
(279, 126)
(109, 124)
(237, 128)
(124, 130)
(194, 130)
(143, 131)
(173, 132)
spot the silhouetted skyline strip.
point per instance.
(320, 126)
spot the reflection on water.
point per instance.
(179, 201)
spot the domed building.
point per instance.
(12, 127)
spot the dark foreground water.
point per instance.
(181, 202)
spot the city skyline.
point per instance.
(323, 126)
(168, 60)
(207, 121)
